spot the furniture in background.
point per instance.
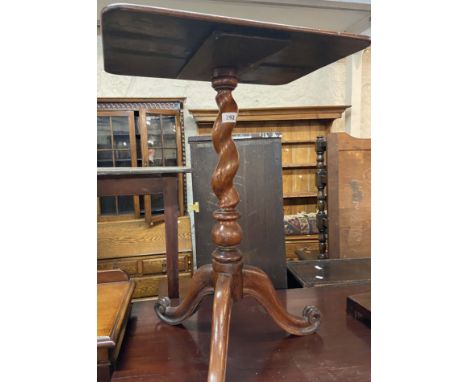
(114, 292)
(118, 181)
(139, 132)
(258, 351)
(299, 128)
(349, 196)
(258, 182)
(157, 42)
(323, 272)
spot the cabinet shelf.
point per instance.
(297, 142)
(287, 166)
(292, 195)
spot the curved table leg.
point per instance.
(258, 285)
(222, 304)
(201, 285)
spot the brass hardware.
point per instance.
(195, 207)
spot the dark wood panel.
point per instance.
(258, 182)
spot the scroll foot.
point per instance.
(200, 286)
(258, 285)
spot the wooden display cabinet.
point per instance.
(299, 128)
(140, 132)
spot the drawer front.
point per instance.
(128, 266)
(146, 265)
(148, 286)
(159, 265)
(292, 246)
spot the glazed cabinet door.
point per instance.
(116, 147)
(161, 146)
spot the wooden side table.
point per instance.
(150, 180)
(114, 292)
(158, 42)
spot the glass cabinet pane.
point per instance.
(125, 204)
(161, 132)
(107, 205)
(170, 157)
(114, 150)
(121, 133)
(155, 157)
(169, 131)
(104, 140)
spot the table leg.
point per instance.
(222, 304)
(201, 285)
(170, 218)
(258, 285)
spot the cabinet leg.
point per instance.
(258, 285)
(222, 305)
(201, 285)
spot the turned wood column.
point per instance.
(226, 233)
(321, 182)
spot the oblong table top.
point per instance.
(158, 42)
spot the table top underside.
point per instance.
(157, 42)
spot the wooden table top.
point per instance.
(113, 299)
(258, 349)
(158, 42)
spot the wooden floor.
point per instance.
(258, 349)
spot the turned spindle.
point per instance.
(321, 182)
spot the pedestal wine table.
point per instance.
(165, 43)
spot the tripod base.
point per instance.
(254, 283)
